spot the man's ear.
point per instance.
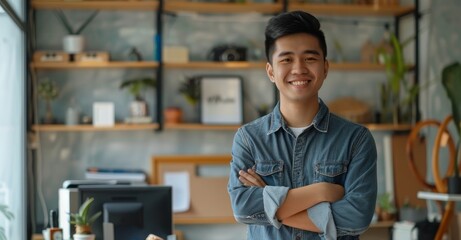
(327, 66)
(270, 72)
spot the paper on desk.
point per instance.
(181, 192)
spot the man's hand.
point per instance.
(250, 178)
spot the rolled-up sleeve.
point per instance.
(273, 197)
(251, 205)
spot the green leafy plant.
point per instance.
(82, 220)
(48, 90)
(190, 89)
(66, 23)
(395, 70)
(386, 204)
(137, 85)
(451, 80)
(8, 215)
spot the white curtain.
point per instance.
(12, 124)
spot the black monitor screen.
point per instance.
(134, 211)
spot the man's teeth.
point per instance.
(297, 83)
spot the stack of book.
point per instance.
(129, 175)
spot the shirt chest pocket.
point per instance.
(330, 172)
(271, 172)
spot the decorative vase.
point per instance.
(78, 236)
(73, 43)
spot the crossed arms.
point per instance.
(292, 212)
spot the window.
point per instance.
(12, 125)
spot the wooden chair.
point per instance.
(442, 139)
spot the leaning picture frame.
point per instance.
(221, 100)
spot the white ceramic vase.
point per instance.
(73, 44)
(84, 237)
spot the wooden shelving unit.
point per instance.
(80, 65)
(212, 8)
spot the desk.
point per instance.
(439, 196)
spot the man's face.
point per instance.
(298, 67)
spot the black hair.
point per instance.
(291, 23)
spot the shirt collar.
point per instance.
(320, 121)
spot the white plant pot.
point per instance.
(73, 43)
(84, 237)
(138, 109)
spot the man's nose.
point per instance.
(299, 67)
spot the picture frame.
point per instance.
(221, 100)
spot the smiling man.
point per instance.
(301, 172)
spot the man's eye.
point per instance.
(285, 60)
(310, 59)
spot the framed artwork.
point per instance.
(221, 100)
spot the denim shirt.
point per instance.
(330, 150)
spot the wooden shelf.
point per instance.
(198, 126)
(218, 65)
(345, 66)
(91, 128)
(79, 65)
(203, 220)
(382, 224)
(223, 8)
(97, 4)
(351, 66)
(351, 9)
(388, 127)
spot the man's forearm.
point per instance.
(302, 198)
(302, 221)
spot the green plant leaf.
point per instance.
(94, 217)
(451, 79)
(137, 85)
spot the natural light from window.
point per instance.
(12, 127)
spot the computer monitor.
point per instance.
(134, 211)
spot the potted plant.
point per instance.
(48, 91)
(399, 108)
(136, 87)
(83, 221)
(451, 80)
(9, 216)
(386, 209)
(190, 90)
(74, 42)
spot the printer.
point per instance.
(69, 201)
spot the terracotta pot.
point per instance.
(173, 115)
